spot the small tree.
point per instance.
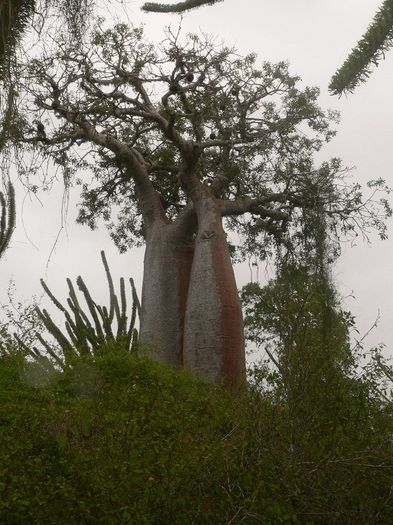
(179, 138)
(296, 318)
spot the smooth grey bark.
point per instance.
(167, 267)
(213, 332)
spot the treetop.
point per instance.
(138, 116)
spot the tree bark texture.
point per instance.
(191, 313)
(213, 332)
(167, 267)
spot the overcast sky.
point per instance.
(315, 36)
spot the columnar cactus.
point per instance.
(368, 52)
(94, 331)
(180, 7)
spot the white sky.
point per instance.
(315, 36)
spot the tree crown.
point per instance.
(137, 116)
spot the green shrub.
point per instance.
(118, 439)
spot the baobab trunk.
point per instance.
(167, 267)
(213, 332)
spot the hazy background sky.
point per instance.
(315, 36)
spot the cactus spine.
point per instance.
(180, 7)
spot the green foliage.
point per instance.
(14, 16)
(296, 320)
(7, 218)
(292, 308)
(120, 439)
(7, 104)
(180, 7)
(87, 335)
(247, 121)
(19, 322)
(369, 51)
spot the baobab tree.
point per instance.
(184, 140)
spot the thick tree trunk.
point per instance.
(213, 333)
(167, 267)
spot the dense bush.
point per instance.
(120, 439)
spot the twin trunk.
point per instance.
(191, 314)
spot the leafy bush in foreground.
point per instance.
(119, 439)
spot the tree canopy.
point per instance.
(125, 98)
(357, 67)
(15, 16)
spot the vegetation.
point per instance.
(356, 68)
(183, 140)
(369, 51)
(186, 139)
(120, 439)
(180, 7)
(124, 439)
(16, 15)
(99, 330)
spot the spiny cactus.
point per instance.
(89, 335)
(368, 52)
(180, 7)
(7, 219)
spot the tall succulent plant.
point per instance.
(95, 330)
(368, 52)
(179, 7)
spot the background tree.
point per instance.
(296, 317)
(305, 333)
(178, 137)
